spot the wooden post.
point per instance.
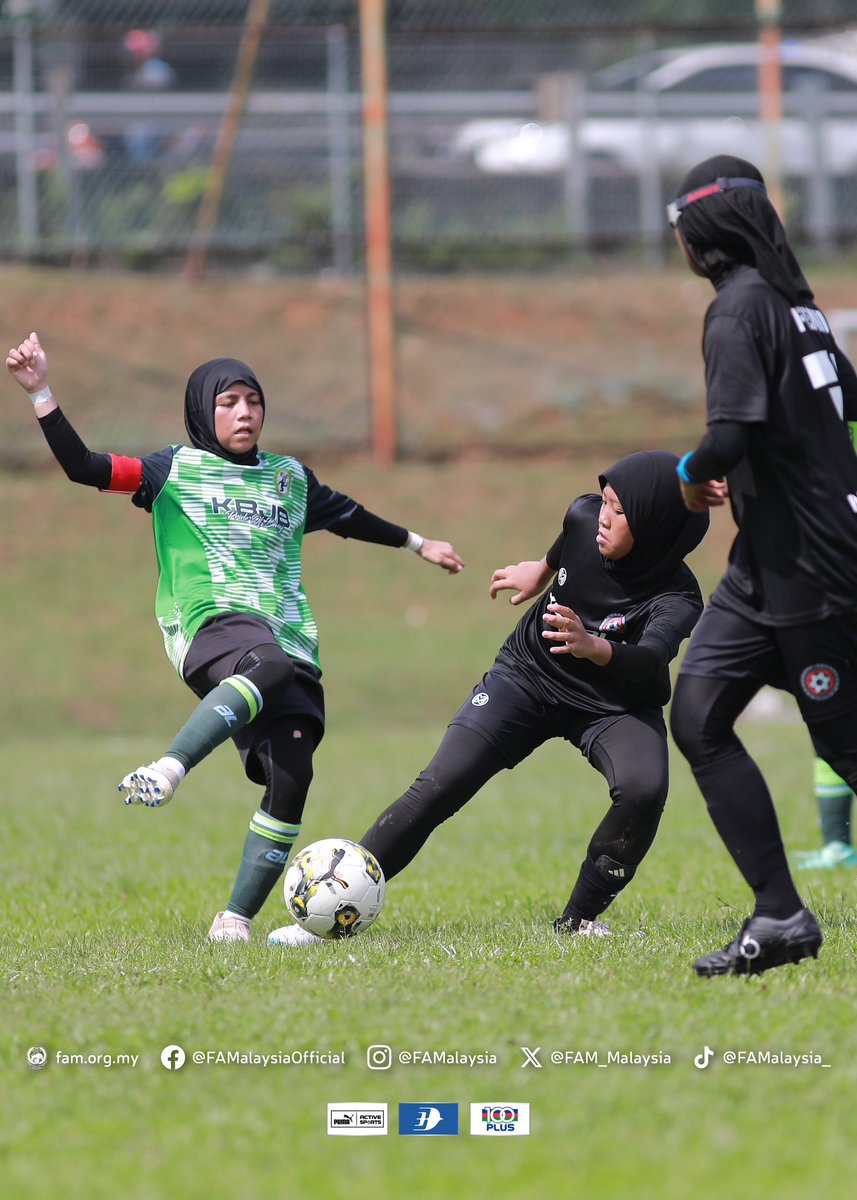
(227, 134)
(768, 14)
(379, 241)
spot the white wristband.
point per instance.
(414, 542)
(42, 394)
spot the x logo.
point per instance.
(531, 1057)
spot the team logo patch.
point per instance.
(480, 698)
(612, 623)
(562, 576)
(284, 482)
(820, 682)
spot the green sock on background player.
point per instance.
(835, 799)
(263, 860)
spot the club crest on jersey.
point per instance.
(284, 481)
(613, 623)
(562, 576)
(264, 516)
(820, 681)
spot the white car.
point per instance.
(674, 108)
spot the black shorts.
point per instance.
(515, 723)
(214, 654)
(817, 663)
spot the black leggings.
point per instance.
(630, 753)
(704, 712)
(276, 750)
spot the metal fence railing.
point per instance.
(505, 148)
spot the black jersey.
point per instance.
(775, 367)
(653, 610)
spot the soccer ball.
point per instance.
(334, 888)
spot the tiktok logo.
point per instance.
(702, 1060)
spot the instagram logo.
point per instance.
(379, 1058)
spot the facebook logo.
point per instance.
(438, 1120)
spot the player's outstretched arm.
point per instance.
(28, 366)
(442, 554)
(526, 579)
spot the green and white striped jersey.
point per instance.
(228, 539)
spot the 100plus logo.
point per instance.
(502, 1120)
(272, 516)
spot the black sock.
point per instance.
(743, 813)
(598, 884)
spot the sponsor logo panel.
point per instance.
(357, 1120)
(499, 1120)
(428, 1120)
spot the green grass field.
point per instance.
(105, 909)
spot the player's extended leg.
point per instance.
(463, 763)
(227, 706)
(284, 756)
(834, 798)
(631, 754)
(781, 930)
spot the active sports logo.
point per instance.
(357, 1120)
(820, 681)
(503, 1120)
(428, 1120)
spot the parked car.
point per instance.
(677, 107)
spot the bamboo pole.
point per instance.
(248, 51)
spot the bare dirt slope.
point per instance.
(492, 364)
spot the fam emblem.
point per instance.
(820, 682)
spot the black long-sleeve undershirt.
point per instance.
(82, 465)
(720, 451)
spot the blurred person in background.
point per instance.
(146, 72)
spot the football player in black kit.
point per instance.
(780, 395)
(588, 662)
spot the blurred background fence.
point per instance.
(515, 137)
(533, 145)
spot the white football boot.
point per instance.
(293, 935)
(229, 927)
(590, 929)
(595, 929)
(153, 786)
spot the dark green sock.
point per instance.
(834, 797)
(835, 813)
(226, 709)
(266, 852)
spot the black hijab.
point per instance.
(739, 225)
(664, 530)
(204, 385)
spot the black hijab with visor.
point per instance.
(724, 217)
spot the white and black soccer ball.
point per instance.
(334, 888)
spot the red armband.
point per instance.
(126, 475)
